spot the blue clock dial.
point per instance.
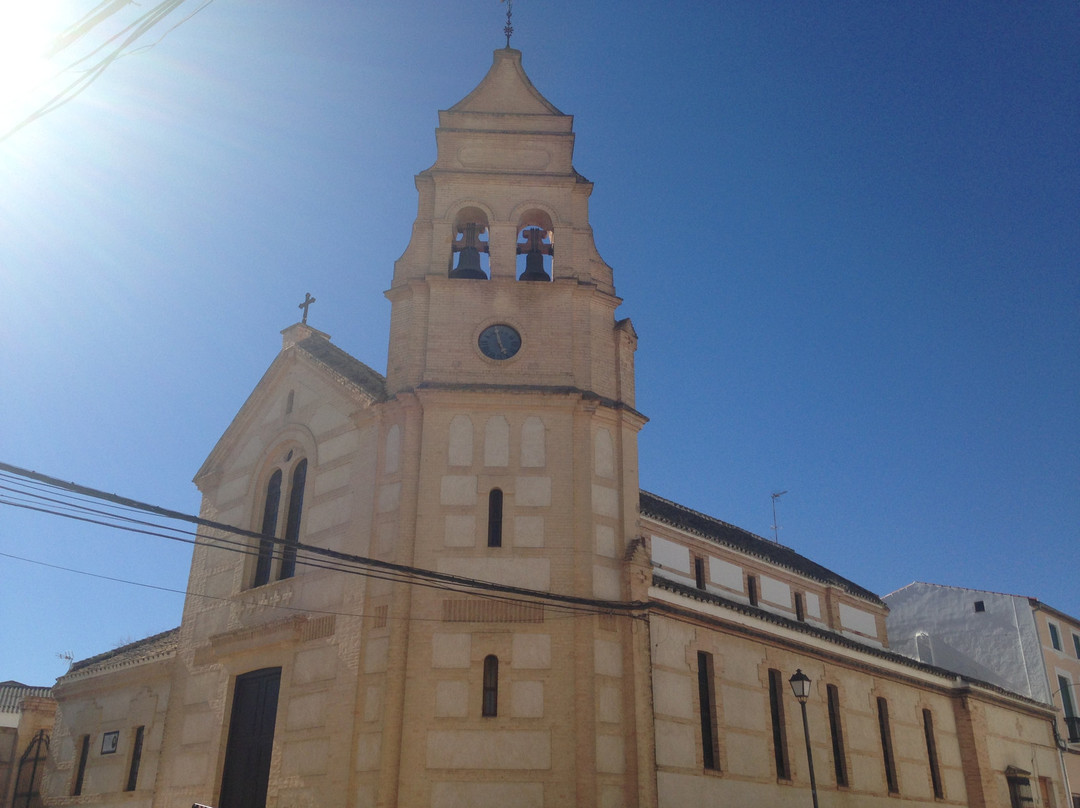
(499, 341)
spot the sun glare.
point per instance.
(28, 29)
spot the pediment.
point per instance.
(307, 374)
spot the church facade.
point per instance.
(444, 587)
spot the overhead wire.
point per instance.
(133, 30)
(41, 493)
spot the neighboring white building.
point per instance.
(1013, 641)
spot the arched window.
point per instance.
(292, 526)
(491, 686)
(495, 517)
(268, 529)
(277, 548)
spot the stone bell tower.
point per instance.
(502, 238)
(509, 457)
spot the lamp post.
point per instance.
(800, 686)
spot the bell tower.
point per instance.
(508, 456)
(502, 238)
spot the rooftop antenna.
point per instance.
(508, 29)
(776, 525)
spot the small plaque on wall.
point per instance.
(109, 742)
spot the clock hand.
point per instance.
(498, 339)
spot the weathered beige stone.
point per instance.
(507, 750)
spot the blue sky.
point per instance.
(847, 234)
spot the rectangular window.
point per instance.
(80, 773)
(886, 746)
(1076, 645)
(837, 731)
(1065, 686)
(751, 589)
(980, 606)
(779, 727)
(931, 754)
(699, 572)
(1055, 637)
(1020, 795)
(800, 608)
(136, 757)
(495, 517)
(710, 747)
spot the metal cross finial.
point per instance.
(308, 300)
(509, 29)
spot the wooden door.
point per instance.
(251, 739)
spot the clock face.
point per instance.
(499, 341)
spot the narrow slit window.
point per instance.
(779, 727)
(800, 608)
(751, 589)
(886, 746)
(80, 772)
(491, 687)
(931, 754)
(269, 529)
(836, 729)
(495, 517)
(710, 745)
(136, 758)
(699, 572)
(292, 524)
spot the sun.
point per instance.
(28, 29)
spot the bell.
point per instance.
(534, 267)
(468, 265)
(468, 255)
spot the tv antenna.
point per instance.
(776, 525)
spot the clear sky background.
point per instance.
(847, 234)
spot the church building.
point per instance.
(444, 588)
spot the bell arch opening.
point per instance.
(535, 247)
(470, 245)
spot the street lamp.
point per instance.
(800, 686)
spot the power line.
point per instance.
(133, 30)
(67, 499)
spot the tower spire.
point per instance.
(508, 29)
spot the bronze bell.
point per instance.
(468, 255)
(468, 265)
(534, 267)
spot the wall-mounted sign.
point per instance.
(109, 742)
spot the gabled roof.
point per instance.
(315, 349)
(743, 541)
(145, 650)
(344, 366)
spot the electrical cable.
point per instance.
(68, 499)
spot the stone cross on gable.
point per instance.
(308, 300)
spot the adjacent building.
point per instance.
(1015, 642)
(444, 587)
(26, 719)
